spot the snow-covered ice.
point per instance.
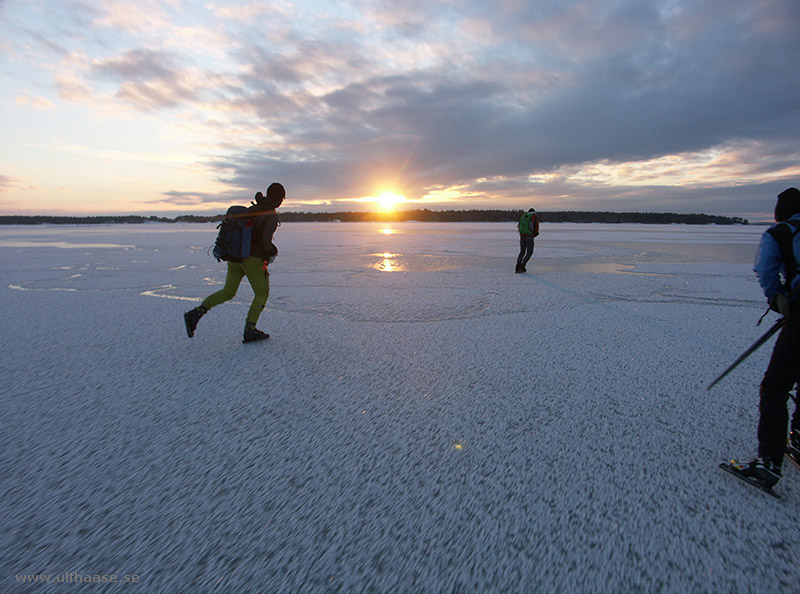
(422, 419)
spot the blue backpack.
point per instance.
(235, 235)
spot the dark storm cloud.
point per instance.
(637, 81)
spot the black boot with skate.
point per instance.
(763, 470)
(191, 318)
(252, 334)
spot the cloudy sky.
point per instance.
(184, 106)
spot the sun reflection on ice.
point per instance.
(388, 262)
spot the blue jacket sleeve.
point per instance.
(768, 265)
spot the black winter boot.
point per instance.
(765, 471)
(251, 333)
(193, 316)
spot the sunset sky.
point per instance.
(183, 107)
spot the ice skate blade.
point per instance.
(727, 467)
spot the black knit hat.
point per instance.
(788, 204)
(275, 195)
(276, 191)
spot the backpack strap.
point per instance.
(784, 235)
(251, 214)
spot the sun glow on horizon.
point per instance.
(389, 200)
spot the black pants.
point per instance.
(525, 249)
(783, 372)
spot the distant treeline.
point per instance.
(503, 216)
(422, 215)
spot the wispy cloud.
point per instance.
(34, 101)
(250, 11)
(149, 79)
(10, 182)
(139, 16)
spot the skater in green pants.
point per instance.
(262, 252)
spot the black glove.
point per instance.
(780, 303)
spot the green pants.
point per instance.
(253, 268)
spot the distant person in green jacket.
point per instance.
(262, 252)
(528, 228)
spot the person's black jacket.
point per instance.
(265, 222)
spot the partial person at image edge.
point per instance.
(776, 267)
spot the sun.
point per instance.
(389, 200)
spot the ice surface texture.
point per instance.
(422, 419)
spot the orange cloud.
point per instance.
(33, 101)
